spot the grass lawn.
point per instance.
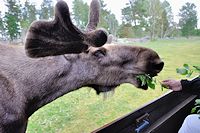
(83, 111)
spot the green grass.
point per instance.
(83, 111)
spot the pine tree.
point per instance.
(2, 27)
(136, 14)
(165, 21)
(108, 20)
(12, 19)
(29, 13)
(80, 13)
(47, 10)
(103, 17)
(151, 16)
(188, 20)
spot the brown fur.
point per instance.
(27, 84)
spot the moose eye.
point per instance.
(125, 62)
(101, 52)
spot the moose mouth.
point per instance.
(145, 86)
(103, 89)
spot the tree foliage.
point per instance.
(167, 25)
(125, 30)
(47, 10)
(108, 19)
(12, 19)
(113, 25)
(29, 13)
(104, 12)
(80, 13)
(188, 20)
(150, 16)
(135, 12)
(155, 14)
(2, 27)
(140, 18)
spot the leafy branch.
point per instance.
(149, 81)
(187, 71)
(196, 108)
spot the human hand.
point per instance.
(172, 84)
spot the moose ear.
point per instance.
(99, 52)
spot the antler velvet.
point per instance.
(60, 36)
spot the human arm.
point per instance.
(183, 85)
(191, 85)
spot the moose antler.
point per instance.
(93, 16)
(60, 36)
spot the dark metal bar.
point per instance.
(170, 108)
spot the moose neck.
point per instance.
(66, 74)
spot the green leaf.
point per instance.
(143, 79)
(198, 112)
(197, 67)
(189, 73)
(198, 106)
(186, 66)
(151, 85)
(146, 79)
(182, 71)
(197, 101)
(193, 110)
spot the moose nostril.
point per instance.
(159, 66)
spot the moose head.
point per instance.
(60, 36)
(65, 59)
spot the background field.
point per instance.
(83, 111)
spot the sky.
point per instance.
(116, 5)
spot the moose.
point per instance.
(60, 58)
